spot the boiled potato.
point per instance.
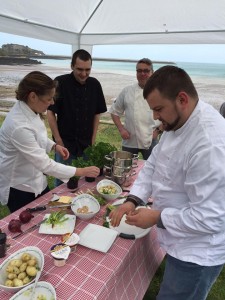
(11, 276)
(23, 267)
(31, 271)
(9, 269)
(17, 282)
(26, 257)
(16, 270)
(9, 283)
(26, 280)
(31, 262)
(16, 262)
(22, 275)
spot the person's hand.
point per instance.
(88, 171)
(124, 134)
(62, 151)
(143, 217)
(116, 214)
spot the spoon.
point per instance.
(35, 284)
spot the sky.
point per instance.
(175, 53)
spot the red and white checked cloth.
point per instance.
(123, 273)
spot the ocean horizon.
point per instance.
(210, 70)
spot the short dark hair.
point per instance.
(146, 61)
(169, 81)
(81, 54)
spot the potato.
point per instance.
(22, 275)
(16, 270)
(9, 269)
(23, 267)
(26, 280)
(31, 262)
(17, 282)
(16, 262)
(25, 257)
(9, 283)
(31, 271)
(11, 276)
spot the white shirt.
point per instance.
(23, 157)
(138, 116)
(185, 175)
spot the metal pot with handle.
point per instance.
(123, 159)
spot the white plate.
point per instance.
(129, 230)
(97, 237)
(65, 227)
(43, 288)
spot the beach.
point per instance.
(210, 89)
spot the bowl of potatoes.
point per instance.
(20, 268)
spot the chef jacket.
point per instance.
(185, 176)
(23, 157)
(139, 120)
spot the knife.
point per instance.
(29, 229)
(41, 208)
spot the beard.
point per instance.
(171, 126)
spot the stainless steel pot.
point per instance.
(120, 165)
(123, 159)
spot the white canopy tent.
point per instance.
(85, 23)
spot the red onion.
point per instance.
(14, 226)
(25, 216)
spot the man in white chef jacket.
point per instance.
(185, 177)
(139, 132)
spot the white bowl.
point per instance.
(85, 200)
(106, 182)
(34, 251)
(43, 288)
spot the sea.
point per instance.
(209, 78)
(208, 70)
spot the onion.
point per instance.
(25, 216)
(14, 226)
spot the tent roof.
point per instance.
(84, 23)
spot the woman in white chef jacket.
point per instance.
(24, 145)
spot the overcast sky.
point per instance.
(176, 53)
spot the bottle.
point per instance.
(2, 244)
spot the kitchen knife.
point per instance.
(41, 208)
(29, 229)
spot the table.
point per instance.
(123, 273)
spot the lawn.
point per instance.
(108, 133)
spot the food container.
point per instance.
(60, 252)
(71, 240)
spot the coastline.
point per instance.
(210, 90)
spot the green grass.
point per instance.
(109, 134)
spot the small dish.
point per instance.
(43, 288)
(65, 227)
(32, 252)
(85, 206)
(109, 183)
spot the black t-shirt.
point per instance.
(76, 106)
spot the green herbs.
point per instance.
(56, 218)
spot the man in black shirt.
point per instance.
(74, 117)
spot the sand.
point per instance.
(211, 90)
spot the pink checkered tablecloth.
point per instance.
(123, 273)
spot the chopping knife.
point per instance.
(41, 208)
(29, 229)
